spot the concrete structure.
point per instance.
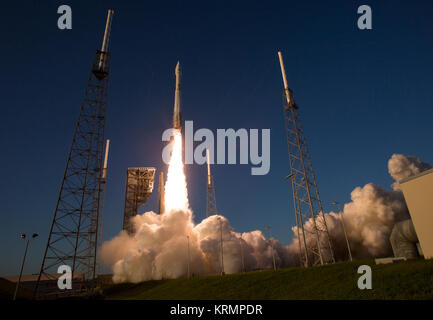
(418, 192)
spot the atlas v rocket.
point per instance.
(177, 116)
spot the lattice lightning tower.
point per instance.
(73, 237)
(314, 242)
(211, 207)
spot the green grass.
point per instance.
(405, 280)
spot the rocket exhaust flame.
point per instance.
(176, 193)
(171, 245)
(157, 248)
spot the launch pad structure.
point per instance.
(139, 186)
(306, 200)
(73, 237)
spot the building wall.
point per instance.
(418, 193)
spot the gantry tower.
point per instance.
(314, 242)
(101, 218)
(211, 207)
(73, 237)
(139, 186)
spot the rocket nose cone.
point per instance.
(177, 67)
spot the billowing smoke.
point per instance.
(159, 248)
(170, 245)
(401, 167)
(371, 215)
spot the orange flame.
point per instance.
(176, 193)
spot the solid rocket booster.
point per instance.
(177, 117)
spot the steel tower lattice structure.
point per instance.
(315, 246)
(211, 207)
(101, 218)
(73, 237)
(139, 187)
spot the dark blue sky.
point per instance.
(363, 95)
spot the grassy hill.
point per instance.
(405, 280)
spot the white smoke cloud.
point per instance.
(401, 167)
(371, 215)
(159, 248)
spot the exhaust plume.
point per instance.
(159, 248)
(371, 215)
(176, 193)
(401, 167)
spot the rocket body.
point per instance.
(177, 116)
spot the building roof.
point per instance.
(417, 175)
